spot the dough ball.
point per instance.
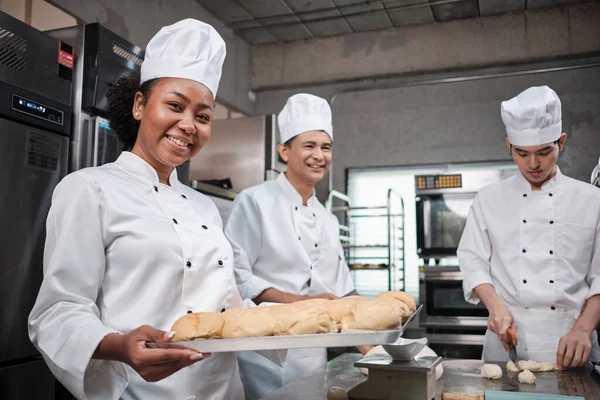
(547, 366)
(530, 365)
(336, 393)
(491, 371)
(511, 367)
(400, 296)
(527, 377)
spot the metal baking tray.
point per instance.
(345, 339)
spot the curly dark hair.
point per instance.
(121, 95)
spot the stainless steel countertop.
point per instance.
(460, 376)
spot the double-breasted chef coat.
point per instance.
(541, 252)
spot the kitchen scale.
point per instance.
(389, 378)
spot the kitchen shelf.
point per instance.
(373, 237)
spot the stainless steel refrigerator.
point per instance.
(35, 121)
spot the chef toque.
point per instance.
(188, 49)
(533, 117)
(303, 113)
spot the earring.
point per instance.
(137, 114)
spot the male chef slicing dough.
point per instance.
(530, 250)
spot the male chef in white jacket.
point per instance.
(530, 250)
(286, 244)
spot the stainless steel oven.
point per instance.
(454, 327)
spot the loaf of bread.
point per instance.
(313, 316)
(203, 325)
(400, 296)
(375, 315)
(254, 322)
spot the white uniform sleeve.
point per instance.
(244, 232)
(64, 323)
(593, 276)
(474, 252)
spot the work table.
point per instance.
(460, 376)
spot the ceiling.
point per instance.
(275, 21)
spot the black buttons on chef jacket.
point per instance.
(524, 221)
(296, 208)
(524, 251)
(183, 196)
(524, 280)
(299, 238)
(204, 227)
(316, 244)
(314, 215)
(189, 311)
(551, 222)
(188, 264)
(553, 308)
(174, 221)
(550, 194)
(551, 252)
(155, 188)
(551, 281)
(220, 262)
(311, 267)
(524, 194)
(223, 309)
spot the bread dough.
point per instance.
(548, 366)
(303, 321)
(242, 323)
(401, 296)
(426, 352)
(527, 377)
(491, 371)
(203, 325)
(336, 393)
(511, 367)
(376, 315)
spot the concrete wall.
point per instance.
(39, 14)
(138, 20)
(495, 40)
(450, 122)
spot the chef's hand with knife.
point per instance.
(152, 364)
(500, 318)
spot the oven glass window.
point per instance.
(446, 298)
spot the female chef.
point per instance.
(130, 249)
(530, 250)
(286, 244)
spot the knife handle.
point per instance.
(456, 396)
(512, 337)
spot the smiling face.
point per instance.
(175, 122)
(537, 163)
(308, 156)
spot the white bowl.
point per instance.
(405, 349)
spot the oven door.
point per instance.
(445, 298)
(441, 219)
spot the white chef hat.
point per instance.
(303, 113)
(533, 117)
(188, 49)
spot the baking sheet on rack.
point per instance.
(345, 339)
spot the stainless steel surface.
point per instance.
(243, 149)
(212, 190)
(449, 273)
(286, 342)
(460, 376)
(344, 339)
(456, 322)
(415, 378)
(385, 362)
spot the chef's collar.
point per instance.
(130, 160)
(548, 185)
(291, 193)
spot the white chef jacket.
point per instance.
(280, 243)
(541, 252)
(123, 250)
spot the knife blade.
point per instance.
(512, 345)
